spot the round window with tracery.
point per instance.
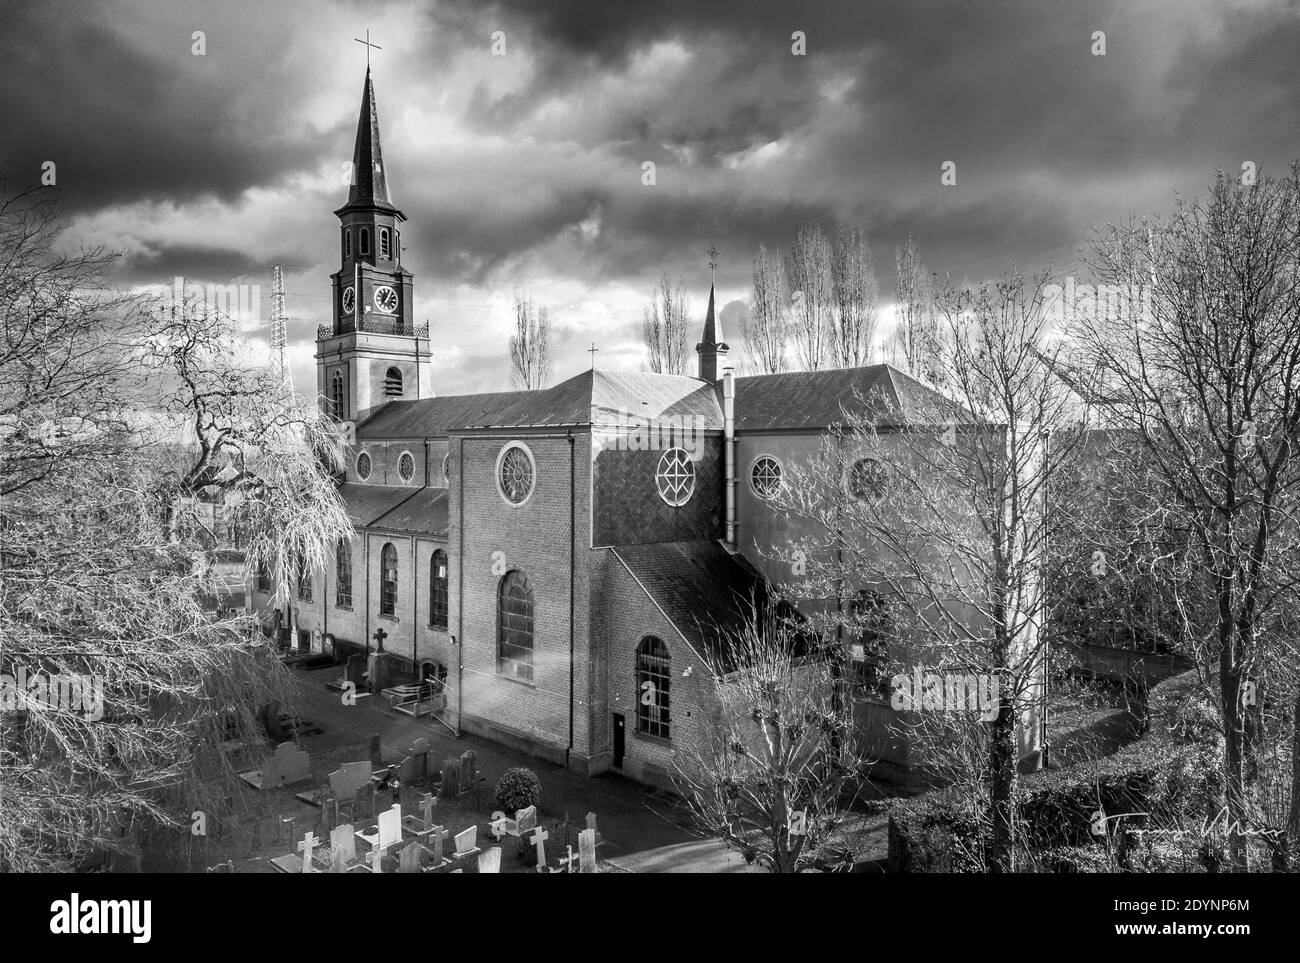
(675, 477)
(515, 474)
(363, 466)
(406, 466)
(765, 477)
(868, 480)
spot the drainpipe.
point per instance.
(573, 563)
(729, 448)
(460, 587)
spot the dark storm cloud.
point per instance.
(528, 167)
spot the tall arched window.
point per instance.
(365, 241)
(385, 244)
(388, 580)
(347, 242)
(393, 383)
(336, 392)
(652, 681)
(438, 590)
(515, 626)
(343, 574)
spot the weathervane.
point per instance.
(368, 45)
(713, 259)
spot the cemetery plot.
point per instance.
(288, 765)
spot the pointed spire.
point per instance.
(370, 177)
(712, 349)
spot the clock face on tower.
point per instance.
(349, 300)
(386, 299)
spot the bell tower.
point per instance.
(372, 352)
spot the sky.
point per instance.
(523, 167)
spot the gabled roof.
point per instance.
(435, 416)
(365, 503)
(704, 590)
(819, 399)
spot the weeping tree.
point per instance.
(117, 416)
(775, 773)
(1195, 344)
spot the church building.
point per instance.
(560, 563)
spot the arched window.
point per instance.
(385, 244)
(336, 393)
(438, 590)
(397, 246)
(365, 241)
(347, 242)
(652, 681)
(515, 626)
(393, 383)
(343, 574)
(388, 580)
(871, 628)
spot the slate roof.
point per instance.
(703, 589)
(818, 399)
(424, 513)
(435, 416)
(364, 503)
(369, 184)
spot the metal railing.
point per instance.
(390, 326)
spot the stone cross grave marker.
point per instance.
(568, 860)
(307, 845)
(376, 857)
(540, 836)
(439, 836)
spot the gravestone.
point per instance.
(355, 671)
(307, 845)
(289, 764)
(540, 836)
(343, 843)
(450, 769)
(587, 851)
(387, 833)
(376, 752)
(591, 824)
(419, 826)
(408, 860)
(419, 753)
(526, 820)
(338, 861)
(348, 778)
(490, 861)
(465, 841)
(467, 777)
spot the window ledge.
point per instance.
(343, 608)
(389, 618)
(656, 740)
(516, 680)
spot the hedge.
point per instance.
(1165, 778)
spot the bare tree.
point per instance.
(111, 414)
(808, 273)
(1199, 355)
(530, 345)
(766, 329)
(665, 328)
(854, 294)
(775, 773)
(917, 343)
(944, 521)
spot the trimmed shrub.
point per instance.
(518, 789)
(936, 833)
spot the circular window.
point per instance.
(406, 466)
(765, 476)
(675, 477)
(515, 472)
(867, 480)
(363, 465)
(446, 468)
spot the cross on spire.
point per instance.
(713, 259)
(592, 351)
(368, 45)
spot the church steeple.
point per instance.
(713, 349)
(373, 352)
(369, 186)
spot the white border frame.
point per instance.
(496, 474)
(357, 461)
(750, 475)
